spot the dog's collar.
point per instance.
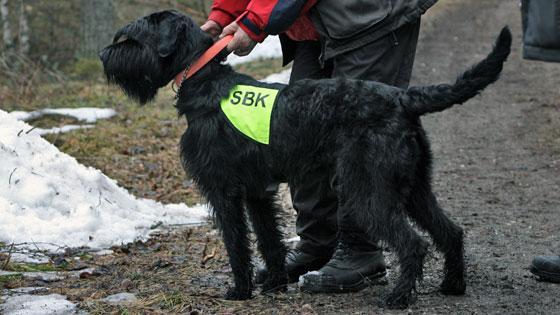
(204, 59)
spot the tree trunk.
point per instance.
(23, 30)
(7, 32)
(98, 18)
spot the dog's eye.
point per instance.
(121, 39)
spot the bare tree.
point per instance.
(7, 32)
(23, 29)
(98, 17)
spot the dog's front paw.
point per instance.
(237, 294)
(277, 283)
(399, 300)
(453, 286)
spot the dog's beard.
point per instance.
(133, 67)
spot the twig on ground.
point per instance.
(10, 179)
(28, 131)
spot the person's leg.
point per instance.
(313, 198)
(388, 60)
(306, 62)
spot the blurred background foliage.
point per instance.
(53, 41)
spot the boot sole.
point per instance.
(545, 276)
(373, 279)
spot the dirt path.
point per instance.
(495, 171)
(497, 168)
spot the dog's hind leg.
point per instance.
(263, 212)
(228, 209)
(448, 237)
(370, 190)
(410, 249)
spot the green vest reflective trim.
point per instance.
(249, 109)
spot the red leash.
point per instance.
(203, 60)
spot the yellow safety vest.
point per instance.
(249, 110)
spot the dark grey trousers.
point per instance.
(388, 60)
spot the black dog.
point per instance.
(366, 134)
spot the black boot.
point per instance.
(547, 268)
(298, 262)
(349, 270)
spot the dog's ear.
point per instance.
(139, 32)
(159, 30)
(169, 31)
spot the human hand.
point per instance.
(241, 44)
(212, 28)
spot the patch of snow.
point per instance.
(301, 279)
(280, 77)
(269, 48)
(29, 256)
(25, 116)
(120, 298)
(47, 276)
(103, 252)
(87, 114)
(293, 239)
(38, 305)
(48, 198)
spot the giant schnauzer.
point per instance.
(366, 134)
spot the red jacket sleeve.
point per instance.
(264, 17)
(259, 18)
(224, 12)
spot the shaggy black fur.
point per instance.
(366, 134)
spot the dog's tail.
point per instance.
(435, 98)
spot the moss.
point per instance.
(28, 267)
(86, 256)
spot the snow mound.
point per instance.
(38, 305)
(47, 198)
